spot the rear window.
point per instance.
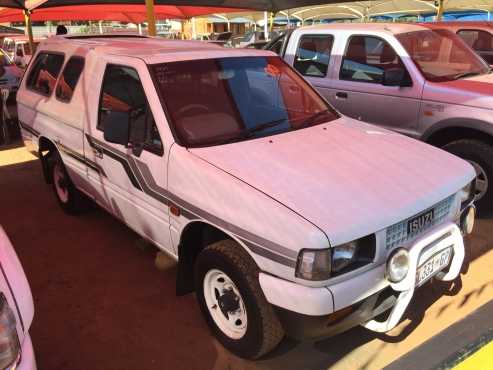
(44, 73)
(218, 101)
(70, 77)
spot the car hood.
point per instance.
(474, 91)
(348, 178)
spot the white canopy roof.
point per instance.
(366, 9)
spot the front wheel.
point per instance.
(232, 301)
(480, 155)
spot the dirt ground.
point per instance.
(102, 304)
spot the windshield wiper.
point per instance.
(312, 118)
(466, 74)
(249, 132)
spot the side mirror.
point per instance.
(396, 77)
(117, 127)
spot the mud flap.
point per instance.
(185, 273)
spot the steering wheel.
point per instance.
(191, 107)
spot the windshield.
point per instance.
(218, 101)
(442, 55)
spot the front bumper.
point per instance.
(28, 361)
(317, 312)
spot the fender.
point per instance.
(459, 122)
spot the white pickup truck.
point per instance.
(285, 216)
(419, 80)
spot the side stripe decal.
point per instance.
(78, 157)
(29, 129)
(141, 177)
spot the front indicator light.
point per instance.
(313, 264)
(398, 265)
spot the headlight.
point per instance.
(321, 264)
(467, 220)
(9, 341)
(343, 256)
(313, 264)
(398, 265)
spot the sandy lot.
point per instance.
(102, 304)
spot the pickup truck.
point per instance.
(420, 81)
(284, 216)
(16, 311)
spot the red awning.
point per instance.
(124, 13)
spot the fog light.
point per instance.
(398, 265)
(468, 218)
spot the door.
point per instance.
(357, 88)
(131, 182)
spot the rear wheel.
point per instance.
(69, 198)
(232, 301)
(480, 155)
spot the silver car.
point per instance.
(425, 83)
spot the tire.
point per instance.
(69, 198)
(480, 155)
(256, 329)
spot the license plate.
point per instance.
(433, 265)
(420, 222)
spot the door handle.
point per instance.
(341, 95)
(98, 153)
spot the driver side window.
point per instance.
(122, 91)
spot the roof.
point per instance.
(483, 25)
(151, 49)
(393, 28)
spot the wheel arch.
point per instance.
(46, 148)
(450, 130)
(194, 237)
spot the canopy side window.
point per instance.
(69, 79)
(44, 73)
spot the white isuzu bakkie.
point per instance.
(276, 206)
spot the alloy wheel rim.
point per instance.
(225, 304)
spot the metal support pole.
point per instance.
(100, 27)
(151, 18)
(266, 26)
(440, 10)
(29, 29)
(194, 29)
(140, 28)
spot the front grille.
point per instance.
(397, 234)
